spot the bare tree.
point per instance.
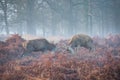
(30, 5)
(4, 8)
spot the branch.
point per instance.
(51, 6)
(54, 7)
(2, 5)
(40, 5)
(77, 4)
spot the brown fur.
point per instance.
(81, 40)
(38, 45)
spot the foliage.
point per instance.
(101, 64)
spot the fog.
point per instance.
(60, 17)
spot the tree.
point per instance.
(30, 7)
(4, 8)
(117, 15)
(19, 6)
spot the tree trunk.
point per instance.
(86, 16)
(53, 26)
(70, 18)
(20, 28)
(6, 21)
(90, 17)
(90, 24)
(44, 30)
(31, 29)
(4, 8)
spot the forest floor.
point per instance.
(101, 64)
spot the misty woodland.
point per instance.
(59, 39)
(59, 17)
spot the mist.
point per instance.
(59, 17)
(59, 39)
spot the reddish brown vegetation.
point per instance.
(102, 64)
(11, 48)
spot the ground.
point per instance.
(101, 64)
